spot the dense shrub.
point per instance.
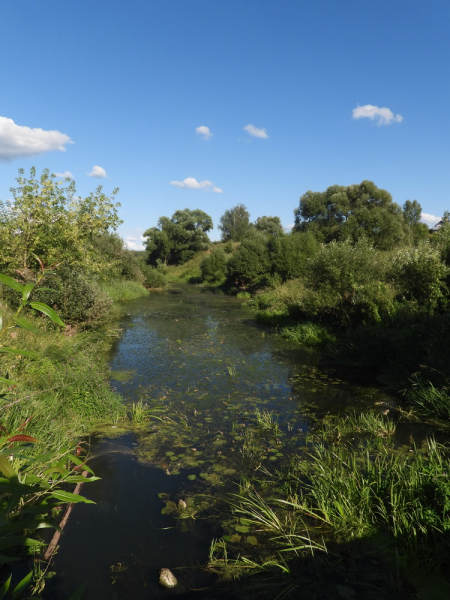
(419, 274)
(345, 284)
(213, 266)
(154, 277)
(250, 262)
(288, 254)
(77, 297)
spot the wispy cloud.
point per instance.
(65, 174)
(383, 116)
(190, 183)
(429, 219)
(19, 141)
(256, 131)
(98, 172)
(204, 132)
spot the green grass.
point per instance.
(62, 393)
(311, 334)
(123, 290)
(429, 401)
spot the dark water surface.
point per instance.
(202, 364)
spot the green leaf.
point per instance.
(7, 381)
(12, 283)
(18, 351)
(21, 585)
(19, 540)
(6, 559)
(5, 587)
(78, 594)
(43, 308)
(28, 288)
(6, 467)
(25, 324)
(80, 478)
(69, 497)
(12, 486)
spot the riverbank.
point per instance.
(59, 392)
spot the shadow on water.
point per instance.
(201, 360)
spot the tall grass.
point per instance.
(63, 392)
(429, 401)
(311, 334)
(122, 289)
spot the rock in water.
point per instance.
(182, 504)
(167, 579)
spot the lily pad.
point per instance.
(251, 539)
(241, 528)
(192, 477)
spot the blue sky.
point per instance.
(124, 88)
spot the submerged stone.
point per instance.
(167, 579)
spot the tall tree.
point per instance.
(270, 226)
(351, 213)
(412, 212)
(234, 223)
(176, 240)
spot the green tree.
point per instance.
(412, 212)
(270, 226)
(351, 213)
(46, 218)
(235, 223)
(177, 239)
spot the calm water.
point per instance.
(205, 368)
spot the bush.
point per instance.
(289, 254)
(213, 266)
(345, 284)
(77, 297)
(250, 262)
(419, 274)
(154, 277)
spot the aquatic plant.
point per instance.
(141, 413)
(266, 421)
(428, 400)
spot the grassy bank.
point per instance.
(54, 391)
(351, 493)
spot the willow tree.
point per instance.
(351, 213)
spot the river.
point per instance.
(207, 372)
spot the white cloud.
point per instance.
(429, 219)
(133, 245)
(217, 190)
(65, 174)
(203, 132)
(18, 141)
(256, 132)
(192, 184)
(97, 172)
(383, 116)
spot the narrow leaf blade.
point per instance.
(12, 283)
(43, 308)
(25, 324)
